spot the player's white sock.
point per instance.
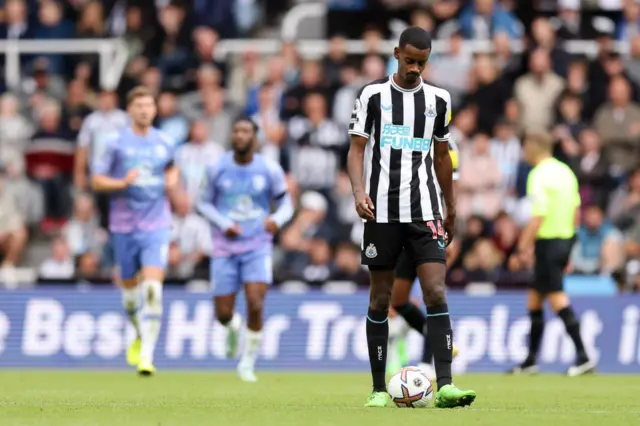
(151, 317)
(131, 303)
(235, 323)
(252, 341)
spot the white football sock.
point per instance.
(151, 317)
(131, 303)
(252, 341)
(235, 323)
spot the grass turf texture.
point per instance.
(29, 398)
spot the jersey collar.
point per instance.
(395, 86)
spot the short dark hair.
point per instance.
(249, 120)
(416, 37)
(138, 92)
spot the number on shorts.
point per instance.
(433, 229)
(439, 231)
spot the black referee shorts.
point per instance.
(382, 243)
(552, 256)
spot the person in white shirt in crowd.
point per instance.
(60, 265)
(190, 237)
(271, 131)
(194, 157)
(83, 233)
(13, 233)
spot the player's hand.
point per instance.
(449, 226)
(271, 226)
(130, 177)
(364, 206)
(234, 231)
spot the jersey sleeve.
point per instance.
(443, 117)
(278, 180)
(361, 120)
(103, 164)
(537, 193)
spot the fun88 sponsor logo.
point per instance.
(399, 137)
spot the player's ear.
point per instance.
(396, 53)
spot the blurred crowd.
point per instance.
(53, 124)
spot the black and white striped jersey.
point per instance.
(402, 126)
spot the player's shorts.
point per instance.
(133, 251)
(406, 268)
(552, 256)
(229, 274)
(382, 243)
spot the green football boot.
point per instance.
(450, 397)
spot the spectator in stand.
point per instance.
(16, 23)
(218, 14)
(599, 246)
(592, 170)
(613, 67)
(335, 59)
(568, 20)
(451, 69)
(274, 77)
(77, 106)
(83, 233)
(15, 129)
(28, 196)
(194, 157)
(507, 61)
(317, 146)
(192, 104)
(618, 123)
(489, 92)
(13, 233)
(271, 131)
(544, 37)
(51, 25)
(169, 120)
(316, 268)
(482, 19)
(92, 24)
(205, 42)
(632, 64)
(171, 45)
(42, 86)
(629, 25)
(569, 120)
(217, 115)
(505, 236)
(475, 228)
(346, 266)
(191, 238)
(506, 150)
(152, 79)
(60, 265)
(463, 126)
(483, 262)
(346, 95)
(311, 81)
(538, 91)
(624, 207)
(479, 191)
(632, 252)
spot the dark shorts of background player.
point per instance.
(383, 243)
(406, 268)
(552, 256)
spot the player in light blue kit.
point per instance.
(137, 169)
(241, 188)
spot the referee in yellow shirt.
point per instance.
(553, 190)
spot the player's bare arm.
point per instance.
(80, 168)
(102, 183)
(355, 169)
(444, 172)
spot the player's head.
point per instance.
(141, 105)
(108, 100)
(412, 53)
(244, 135)
(537, 145)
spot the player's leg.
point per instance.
(535, 300)
(428, 251)
(561, 305)
(225, 277)
(256, 273)
(154, 249)
(126, 255)
(381, 247)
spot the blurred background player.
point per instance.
(241, 188)
(136, 167)
(405, 314)
(550, 236)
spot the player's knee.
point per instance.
(380, 301)
(434, 294)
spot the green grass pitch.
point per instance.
(66, 398)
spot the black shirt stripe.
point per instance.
(395, 160)
(374, 112)
(416, 157)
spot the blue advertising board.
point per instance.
(69, 328)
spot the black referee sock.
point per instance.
(535, 336)
(572, 325)
(412, 315)
(377, 340)
(441, 339)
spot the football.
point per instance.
(410, 388)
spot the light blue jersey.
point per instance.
(140, 217)
(243, 194)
